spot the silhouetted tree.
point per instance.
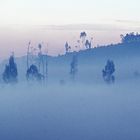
(74, 68)
(83, 36)
(130, 38)
(28, 48)
(88, 44)
(67, 47)
(33, 74)
(108, 72)
(10, 73)
(41, 60)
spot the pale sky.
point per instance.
(22, 21)
(48, 12)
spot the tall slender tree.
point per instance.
(83, 36)
(28, 48)
(67, 48)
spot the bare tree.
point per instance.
(28, 48)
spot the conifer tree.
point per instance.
(10, 73)
(108, 72)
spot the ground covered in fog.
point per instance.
(70, 112)
(86, 109)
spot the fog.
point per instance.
(61, 108)
(70, 112)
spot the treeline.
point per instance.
(130, 38)
(33, 73)
(37, 61)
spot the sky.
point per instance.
(22, 21)
(48, 12)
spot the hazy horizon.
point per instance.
(14, 38)
(55, 22)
